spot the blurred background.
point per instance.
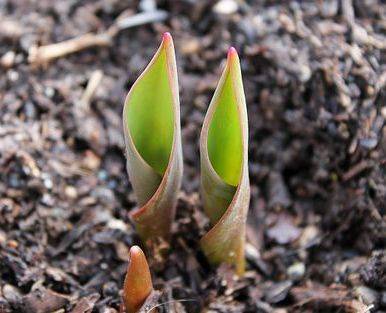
(314, 76)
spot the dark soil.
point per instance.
(314, 75)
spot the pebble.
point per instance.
(110, 289)
(104, 194)
(383, 299)
(284, 231)
(368, 295)
(114, 223)
(190, 46)
(309, 236)
(47, 199)
(11, 29)
(91, 161)
(277, 292)
(30, 110)
(48, 183)
(8, 59)
(49, 92)
(13, 76)
(14, 181)
(329, 8)
(226, 7)
(263, 306)
(71, 192)
(122, 251)
(112, 184)
(12, 244)
(296, 271)
(383, 112)
(368, 143)
(3, 237)
(305, 73)
(102, 175)
(11, 293)
(147, 5)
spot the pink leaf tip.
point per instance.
(167, 37)
(232, 52)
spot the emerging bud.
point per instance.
(137, 286)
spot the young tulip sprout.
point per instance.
(224, 168)
(151, 123)
(137, 286)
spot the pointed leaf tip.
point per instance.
(137, 284)
(167, 37)
(135, 253)
(232, 52)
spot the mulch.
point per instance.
(314, 76)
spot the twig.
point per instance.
(92, 85)
(359, 33)
(44, 54)
(170, 302)
(356, 169)
(141, 18)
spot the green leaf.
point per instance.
(151, 123)
(225, 147)
(150, 109)
(224, 168)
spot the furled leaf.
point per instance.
(151, 123)
(137, 286)
(224, 168)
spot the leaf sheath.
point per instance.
(151, 123)
(224, 169)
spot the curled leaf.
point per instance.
(224, 168)
(151, 123)
(138, 285)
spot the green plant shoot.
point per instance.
(151, 123)
(224, 168)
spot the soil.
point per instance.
(314, 76)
